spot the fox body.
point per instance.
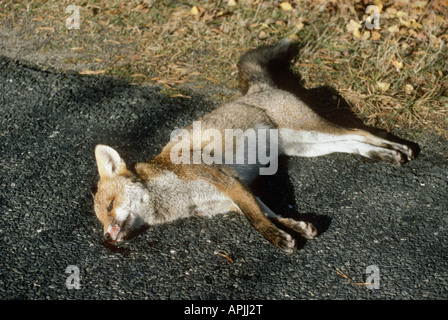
(162, 190)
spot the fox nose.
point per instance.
(108, 237)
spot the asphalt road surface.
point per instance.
(379, 224)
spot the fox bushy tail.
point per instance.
(256, 66)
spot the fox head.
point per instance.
(121, 199)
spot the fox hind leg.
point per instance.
(354, 147)
(314, 143)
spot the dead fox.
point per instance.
(172, 186)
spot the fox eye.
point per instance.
(111, 206)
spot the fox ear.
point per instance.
(109, 162)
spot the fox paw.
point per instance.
(305, 229)
(285, 242)
(395, 154)
(388, 155)
(406, 151)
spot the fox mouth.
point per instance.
(126, 229)
(115, 232)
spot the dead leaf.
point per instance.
(375, 35)
(299, 26)
(294, 37)
(353, 27)
(419, 53)
(415, 24)
(90, 72)
(405, 23)
(194, 11)
(408, 88)
(418, 4)
(286, 6)
(364, 55)
(383, 86)
(392, 12)
(280, 23)
(405, 46)
(379, 4)
(262, 35)
(137, 75)
(394, 28)
(397, 64)
(401, 14)
(365, 35)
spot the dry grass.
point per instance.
(393, 77)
